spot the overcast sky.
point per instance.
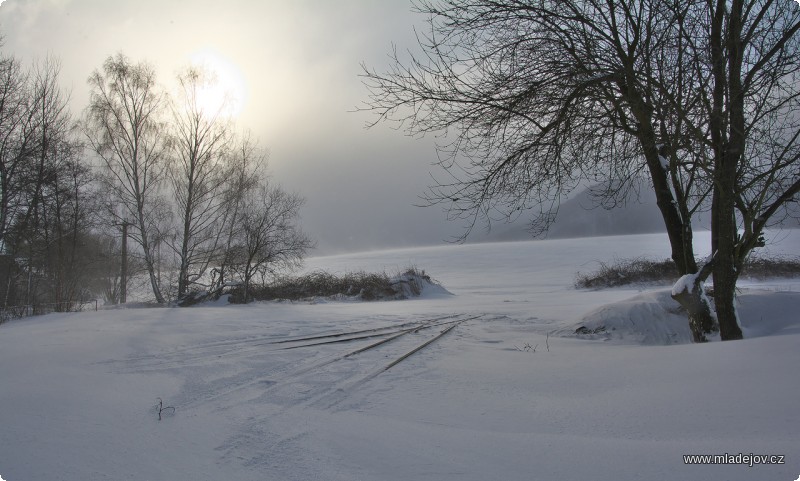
(295, 65)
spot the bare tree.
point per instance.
(243, 176)
(36, 146)
(124, 126)
(46, 187)
(541, 96)
(199, 176)
(17, 141)
(754, 132)
(268, 239)
(744, 121)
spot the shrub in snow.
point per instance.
(640, 270)
(351, 286)
(627, 271)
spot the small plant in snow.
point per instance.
(527, 348)
(161, 408)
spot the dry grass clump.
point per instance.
(770, 268)
(628, 271)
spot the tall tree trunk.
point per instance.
(729, 156)
(123, 277)
(702, 319)
(724, 239)
(183, 275)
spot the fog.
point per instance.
(294, 67)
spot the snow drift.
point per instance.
(654, 318)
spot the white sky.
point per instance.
(297, 63)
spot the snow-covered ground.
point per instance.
(510, 393)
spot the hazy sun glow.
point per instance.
(229, 91)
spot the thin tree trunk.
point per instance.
(123, 282)
(183, 275)
(149, 262)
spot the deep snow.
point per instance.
(512, 394)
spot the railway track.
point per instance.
(321, 368)
(186, 356)
(331, 393)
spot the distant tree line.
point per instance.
(192, 195)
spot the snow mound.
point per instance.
(417, 284)
(650, 318)
(654, 318)
(409, 284)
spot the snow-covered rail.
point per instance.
(337, 391)
(298, 370)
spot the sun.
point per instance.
(228, 92)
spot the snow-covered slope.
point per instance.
(510, 392)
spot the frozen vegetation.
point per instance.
(532, 380)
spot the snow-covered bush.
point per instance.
(367, 286)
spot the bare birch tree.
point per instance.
(199, 176)
(125, 128)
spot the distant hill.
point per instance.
(580, 217)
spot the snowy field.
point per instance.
(509, 393)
